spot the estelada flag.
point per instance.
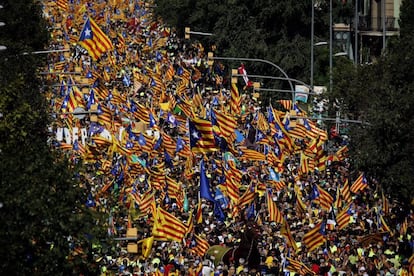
(94, 40)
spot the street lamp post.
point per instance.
(330, 46)
(313, 60)
(312, 35)
(356, 22)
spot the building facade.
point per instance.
(377, 22)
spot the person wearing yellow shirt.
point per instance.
(241, 266)
(270, 258)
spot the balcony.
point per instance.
(368, 23)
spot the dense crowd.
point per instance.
(144, 93)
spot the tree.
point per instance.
(278, 31)
(379, 94)
(42, 204)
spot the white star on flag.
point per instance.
(87, 33)
(195, 134)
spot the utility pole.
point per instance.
(356, 23)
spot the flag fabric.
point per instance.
(261, 122)
(226, 123)
(168, 227)
(404, 227)
(251, 212)
(346, 192)
(251, 155)
(199, 213)
(304, 164)
(315, 237)
(385, 204)
(201, 136)
(285, 232)
(232, 185)
(63, 4)
(411, 265)
(145, 203)
(221, 199)
(373, 238)
(146, 246)
(218, 212)
(287, 104)
(235, 99)
(274, 213)
(247, 197)
(343, 218)
(382, 224)
(242, 71)
(94, 40)
(73, 99)
(325, 199)
(301, 93)
(204, 184)
(298, 267)
(360, 184)
(281, 135)
(190, 224)
(300, 205)
(199, 245)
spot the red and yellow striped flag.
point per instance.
(298, 267)
(201, 136)
(325, 199)
(246, 198)
(199, 245)
(199, 215)
(235, 99)
(343, 218)
(94, 40)
(285, 232)
(226, 123)
(359, 184)
(146, 203)
(63, 4)
(252, 155)
(315, 237)
(345, 192)
(168, 227)
(232, 187)
(274, 213)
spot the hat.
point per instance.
(241, 261)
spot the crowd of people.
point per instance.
(169, 130)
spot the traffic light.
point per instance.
(93, 117)
(187, 33)
(210, 59)
(132, 247)
(233, 77)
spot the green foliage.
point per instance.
(406, 19)
(381, 94)
(18, 34)
(42, 206)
